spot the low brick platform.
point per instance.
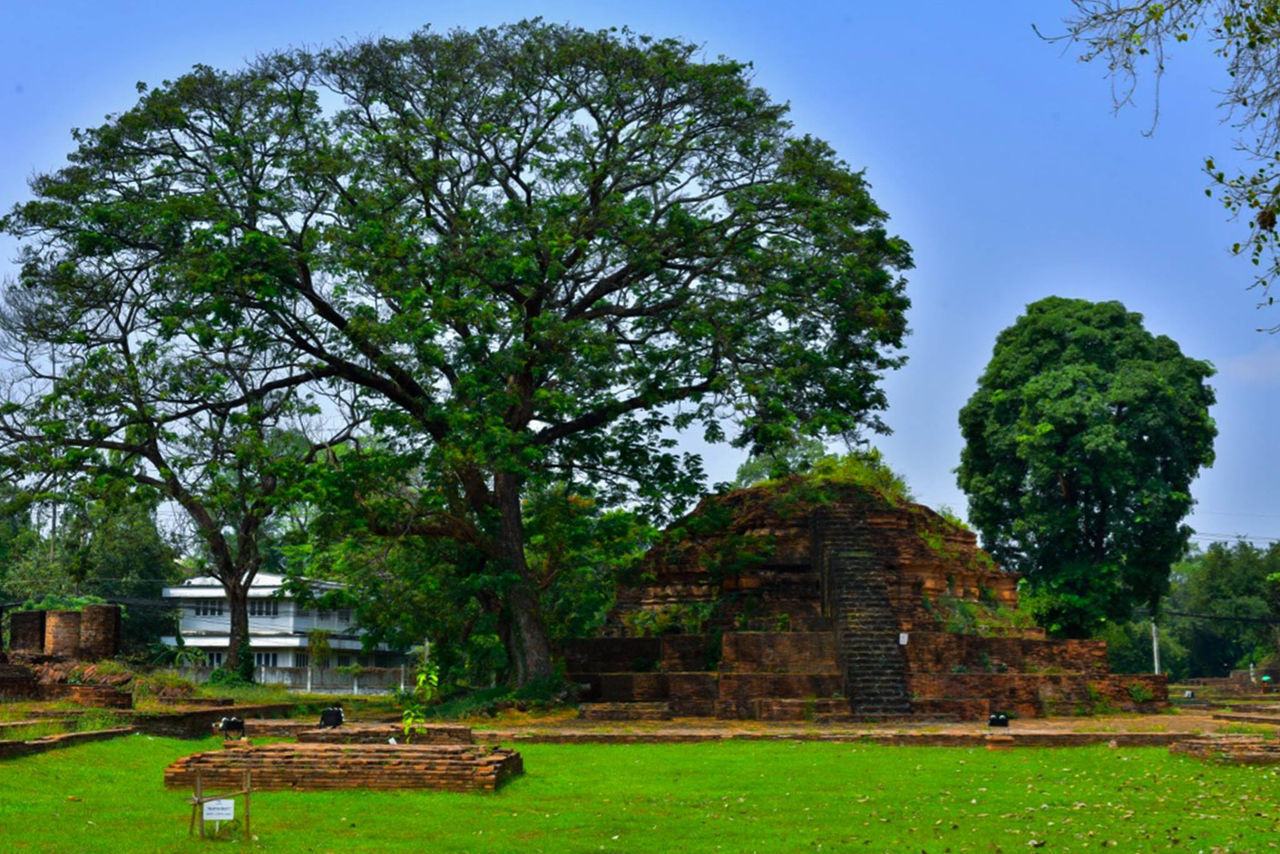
(443, 767)
(1231, 749)
(659, 711)
(901, 738)
(383, 733)
(1249, 717)
(197, 723)
(12, 749)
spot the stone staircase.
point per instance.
(867, 628)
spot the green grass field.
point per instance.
(745, 796)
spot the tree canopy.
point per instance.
(1081, 443)
(532, 251)
(1134, 39)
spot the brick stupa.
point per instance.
(804, 599)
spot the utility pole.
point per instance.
(1155, 645)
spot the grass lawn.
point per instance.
(735, 796)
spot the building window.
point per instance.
(266, 659)
(215, 659)
(264, 607)
(301, 659)
(344, 661)
(207, 607)
(344, 616)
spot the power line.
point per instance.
(1271, 621)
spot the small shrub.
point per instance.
(225, 678)
(1140, 693)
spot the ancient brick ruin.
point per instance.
(822, 600)
(88, 635)
(41, 641)
(444, 767)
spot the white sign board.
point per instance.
(902, 638)
(224, 810)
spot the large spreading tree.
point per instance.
(1081, 443)
(534, 250)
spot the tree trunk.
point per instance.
(238, 601)
(532, 654)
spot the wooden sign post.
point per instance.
(200, 799)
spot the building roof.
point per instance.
(264, 584)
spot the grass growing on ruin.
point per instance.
(689, 797)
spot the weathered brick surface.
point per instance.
(779, 652)
(26, 631)
(18, 682)
(642, 687)
(445, 767)
(738, 691)
(612, 655)
(358, 733)
(1231, 749)
(692, 694)
(99, 632)
(689, 652)
(819, 585)
(97, 696)
(62, 633)
(12, 749)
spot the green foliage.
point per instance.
(1139, 693)
(1081, 443)
(684, 617)
(244, 667)
(318, 647)
(157, 682)
(1129, 645)
(797, 457)
(221, 677)
(866, 469)
(60, 603)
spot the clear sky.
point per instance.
(996, 154)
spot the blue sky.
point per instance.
(996, 154)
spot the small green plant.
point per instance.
(782, 622)
(224, 678)
(1140, 693)
(426, 690)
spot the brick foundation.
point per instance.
(444, 767)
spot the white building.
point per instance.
(279, 630)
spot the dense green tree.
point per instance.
(1135, 39)
(796, 457)
(1223, 607)
(534, 249)
(144, 398)
(1081, 443)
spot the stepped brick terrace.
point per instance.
(445, 767)
(829, 601)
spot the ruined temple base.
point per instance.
(442, 767)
